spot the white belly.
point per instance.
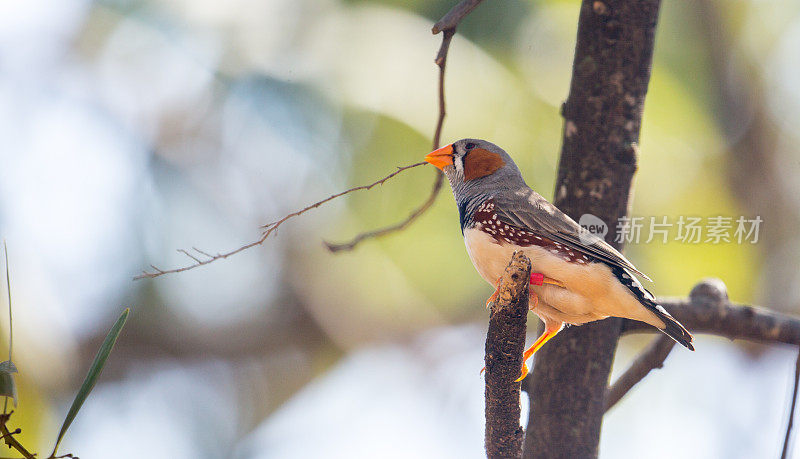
(591, 291)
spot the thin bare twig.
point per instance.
(190, 255)
(447, 25)
(8, 437)
(453, 17)
(268, 229)
(437, 184)
(16, 431)
(785, 452)
(651, 358)
(441, 61)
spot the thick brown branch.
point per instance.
(708, 310)
(505, 342)
(785, 452)
(651, 358)
(268, 229)
(602, 120)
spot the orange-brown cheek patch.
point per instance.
(480, 163)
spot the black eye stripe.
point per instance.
(467, 148)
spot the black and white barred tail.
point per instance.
(673, 328)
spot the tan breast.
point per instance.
(487, 255)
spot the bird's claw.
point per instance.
(494, 295)
(492, 299)
(523, 373)
(535, 298)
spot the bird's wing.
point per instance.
(527, 209)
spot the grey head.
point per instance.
(477, 170)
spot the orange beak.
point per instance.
(441, 157)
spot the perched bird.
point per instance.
(577, 277)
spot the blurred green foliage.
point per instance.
(246, 111)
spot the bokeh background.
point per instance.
(133, 128)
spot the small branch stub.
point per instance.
(505, 343)
(453, 17)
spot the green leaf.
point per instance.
(91, 377)
(8, 387)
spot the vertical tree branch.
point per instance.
(505, 342)
(602, 118)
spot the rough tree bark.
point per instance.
(602, 117)
(505, 342)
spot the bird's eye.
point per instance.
(469, 146)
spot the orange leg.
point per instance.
(548, 333)
(547, 280)
(493, 298)
(536, 279)
(539, 279)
